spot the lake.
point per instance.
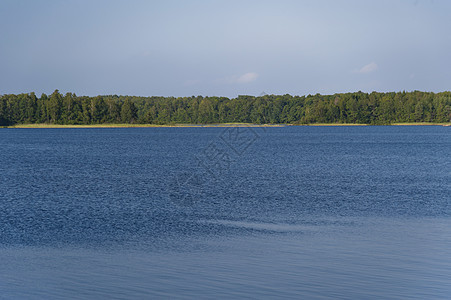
(293, 212)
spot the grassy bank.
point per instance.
(207, 125)
(421, 124)
(142, 125)
(393, 124)
(80, 126)
(329, 124)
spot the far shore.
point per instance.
(143, 125)
(208, 125)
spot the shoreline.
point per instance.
(210, 125)
(144, 125)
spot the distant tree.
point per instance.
(128, 112)
(3, 112)
(113, 111)
(55, 107)
(99, 110)
(31, 108)
(373, 108)
(86, 110)
(42, 109)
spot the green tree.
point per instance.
(4, 119)
(128, 112)
(55, 107)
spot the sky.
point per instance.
(224, 48)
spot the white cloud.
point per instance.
(248, 77)
(371, 67)
(242, 79)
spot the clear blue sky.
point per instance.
(224, 48)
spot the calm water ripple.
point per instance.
(293, 212)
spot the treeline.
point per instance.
(356, 108)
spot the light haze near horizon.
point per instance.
(224, 48)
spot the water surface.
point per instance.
(310, 212)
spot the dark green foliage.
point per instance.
(356, 108)
(72, 110)
(4, 121)
(128, 112)
(55, 107)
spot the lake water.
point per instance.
(292, 212)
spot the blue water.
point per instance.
(292, 212)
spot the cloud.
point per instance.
(248, 77)
(371, 67)
(242, 79)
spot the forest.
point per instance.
(347, 108)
